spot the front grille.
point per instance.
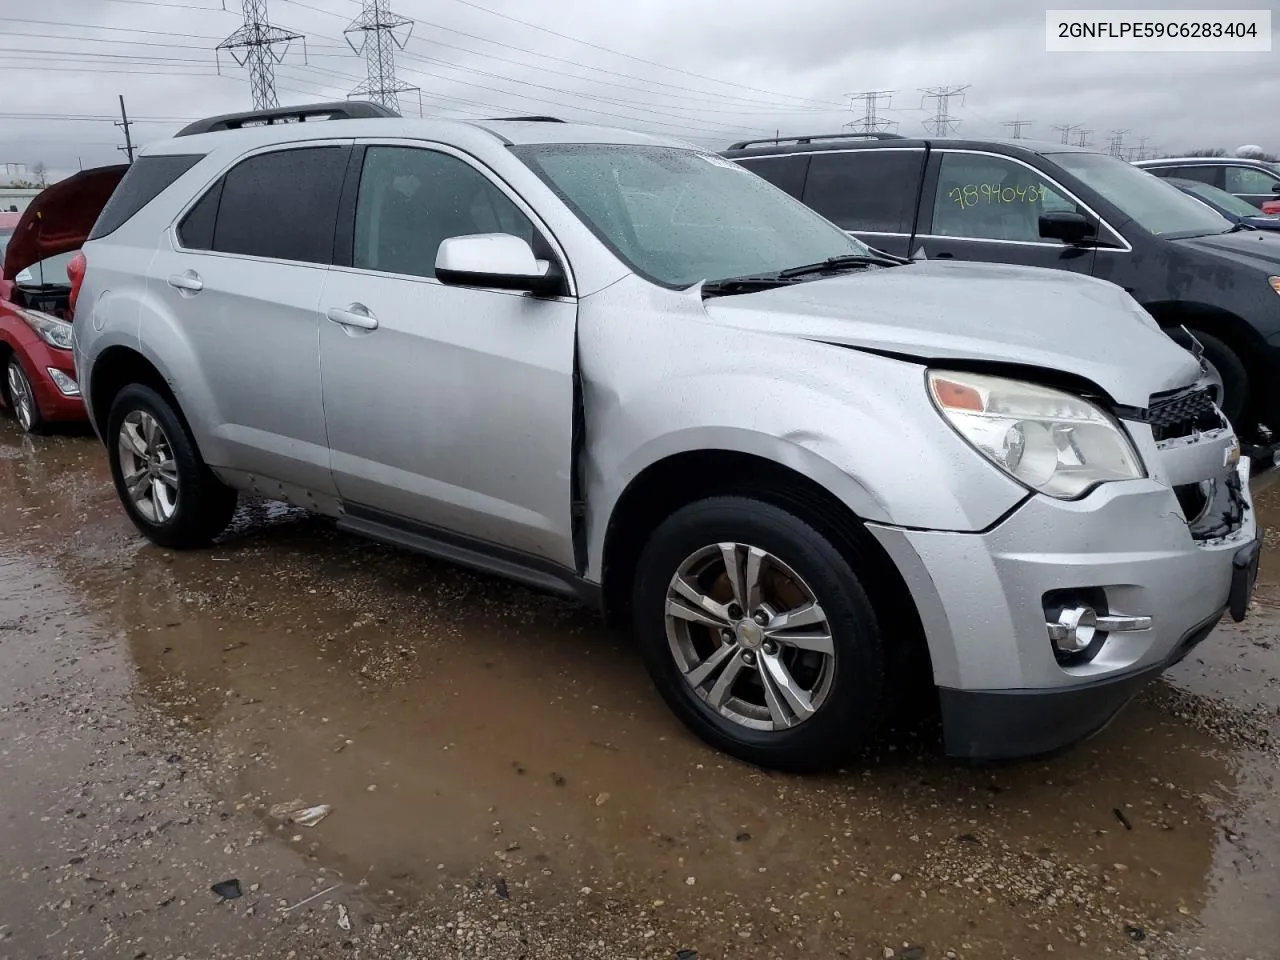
(1183, 415)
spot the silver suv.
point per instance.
(630, 370)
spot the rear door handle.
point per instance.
(189, 281)
(356, 315)
(944, 255)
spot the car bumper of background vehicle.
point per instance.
(983, 599)
(55, 405)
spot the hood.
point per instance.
(60, 217)
(967, 311)
(1258, 248)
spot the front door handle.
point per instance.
(356, 315)
(188, 281)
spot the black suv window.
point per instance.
(1208, 174)
(786, 173)
(282, 205)
(866, 190)
(142, 183)
(1252, 181)
(411, 200)
(988, 197)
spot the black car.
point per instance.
(1227, 204)
(1254, 181)
(1050, 205)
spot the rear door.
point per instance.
(787, 172)
(986, 207)
(1205, 173)
(872, 193)
(1252, 184)
(239, 280)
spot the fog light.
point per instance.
(1075, 629)
(64, 383)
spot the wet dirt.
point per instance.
(505, 782)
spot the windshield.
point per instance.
(1156, 206)
(677, 216)
(50, 272)
(1220, 198)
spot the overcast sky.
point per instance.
(710, 70)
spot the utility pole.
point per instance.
(1115, 143)
(1018, 126)
(1083, 139)
(942, 123)
(376, 31)
(871, 121)
(124, 123)
(1066, 129)
(254, 45)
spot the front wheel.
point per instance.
(169, 492)
(1229, 376)
(22, 398)
(759, 635)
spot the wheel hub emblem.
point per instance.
(749, 634)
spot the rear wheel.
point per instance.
(759, 635)
(169, 492)
(22, 398)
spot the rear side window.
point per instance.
(866, 190)
(1209, 175)
(145, 179)
(282, 205)
(785, 173)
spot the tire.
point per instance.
(22, 398)
(182, 504)
(848, 688)
(1231, 371)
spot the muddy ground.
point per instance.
(505, 783)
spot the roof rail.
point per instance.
(809, 138)
(521, 120)
(338, 110)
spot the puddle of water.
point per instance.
(509, 735)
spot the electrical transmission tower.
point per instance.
(1018, 126)
(1082, 139)
(376, 32)
(871, 122)
(1066, 129)
(1115, 144)
(254, 45)
(942, 123)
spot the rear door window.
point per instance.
(145, 179)
(870, 191)
(1206, 174)
(786, 173)
(987, 197)
(282, 205)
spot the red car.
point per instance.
(1271, 206)
(37, 372)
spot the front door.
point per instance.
(239, 280)
(448, 408)
(987, 207)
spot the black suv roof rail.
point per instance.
(809, 138)
(338, 110)
(521, 120)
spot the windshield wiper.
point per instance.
(748, 284)
(1238, 226)
(832, 264)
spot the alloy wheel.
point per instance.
(147, 467)
(21, 396)
(749, 636)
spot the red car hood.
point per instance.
(59, 218)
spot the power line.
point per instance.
(1066, 129)
(254, 45)
(942, 122)
(1018, 126)
(871, 122)
(376, 29)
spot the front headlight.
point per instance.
(55, 332)
(1051, 441)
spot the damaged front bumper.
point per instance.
(1154, 562)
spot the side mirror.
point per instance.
(496, 260)
(1068, 226)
